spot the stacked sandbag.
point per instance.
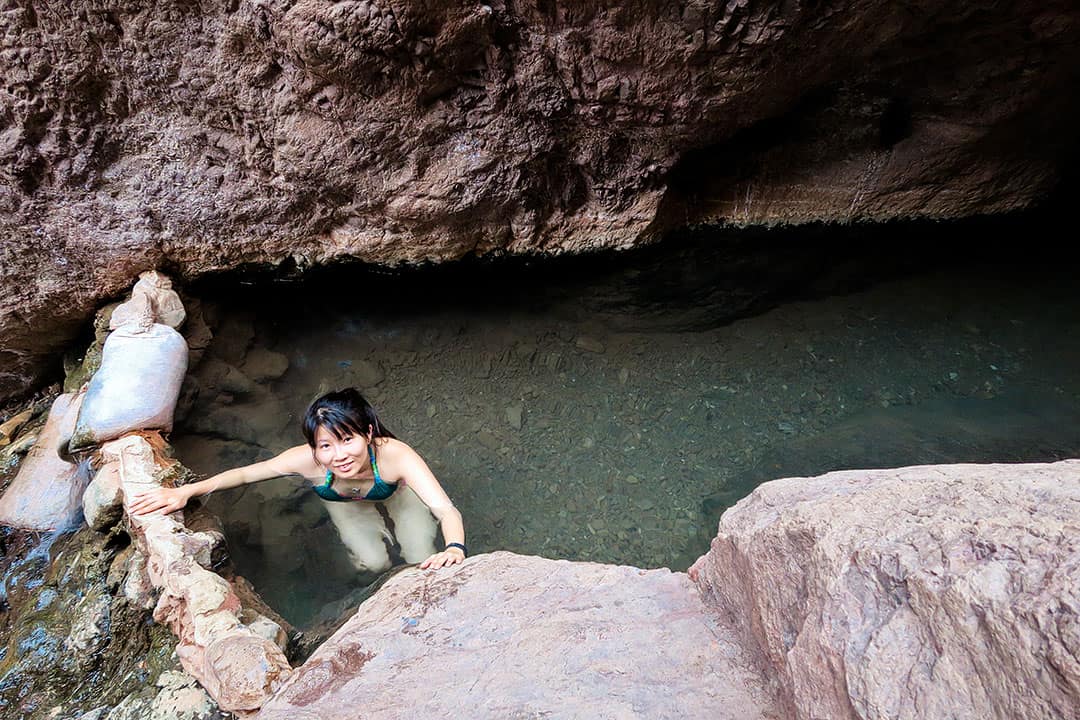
(136, 387)
(142, 367)
(46, 494)
(152, 300)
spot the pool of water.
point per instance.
(611, 414)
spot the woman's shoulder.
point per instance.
(392, 448)
(395, 453)
(296, 460)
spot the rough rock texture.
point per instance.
(103, 501)
(237, 665)
(209, 135)
(506, 636)
(924, 592)
(48, 491)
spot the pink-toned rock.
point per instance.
(506, 636)
(47, 492)
(238, 666)
(924, 592)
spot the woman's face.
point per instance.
(345, 456)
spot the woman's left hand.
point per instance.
(450, 556)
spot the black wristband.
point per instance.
(460, 547)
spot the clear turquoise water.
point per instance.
(611, 414)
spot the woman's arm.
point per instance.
(418, 476)
(293, 461)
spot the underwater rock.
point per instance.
(932, 591)
(262, 365)
(513, 636)
(46, 494)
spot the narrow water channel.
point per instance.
(609, 409)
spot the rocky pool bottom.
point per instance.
(611, 411)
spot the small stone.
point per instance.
(103, 499)
(589, 344)
(631, 480)
(624, 375)
(482, 369)
(588, 443)
(488, 440)
(261, 364)
(367, 374)
(10, 428)
(514, 416)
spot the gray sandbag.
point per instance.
(136, 386)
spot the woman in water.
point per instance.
(354, 462)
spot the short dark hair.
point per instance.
(343, 412)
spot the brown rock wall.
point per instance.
(202, 137)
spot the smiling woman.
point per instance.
(354, 462)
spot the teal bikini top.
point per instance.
(379, 491)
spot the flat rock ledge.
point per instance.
(510, 636)
(946, 591)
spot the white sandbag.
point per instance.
(136, 386)
(46, 494)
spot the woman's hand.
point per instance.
(450, 556)
(165, 499)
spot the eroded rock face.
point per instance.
(506, 635)
(205, 137)
(238, 665)
(936, 591)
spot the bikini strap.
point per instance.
(374, 465)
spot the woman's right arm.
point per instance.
(294, 461)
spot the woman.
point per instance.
(353, 462)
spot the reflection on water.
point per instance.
(614, 419)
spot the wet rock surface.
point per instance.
(237, 663)
(934, 591)
(296, 133)
(70, 641)
(507, 635)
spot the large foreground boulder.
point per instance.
(508, 636)
(949, 591)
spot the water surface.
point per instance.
(611, 411)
